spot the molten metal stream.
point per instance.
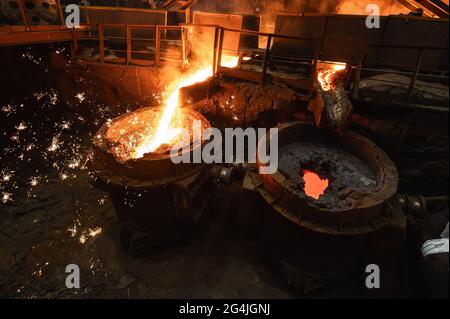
(165, 133)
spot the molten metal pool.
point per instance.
(128, 136)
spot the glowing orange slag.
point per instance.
(315, 186)
(326, 76)
(165, 132)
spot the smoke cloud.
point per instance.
(273, 7)
(387, 7)
(269, 9)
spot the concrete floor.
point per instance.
(40, 238)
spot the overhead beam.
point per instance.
(436, 6)
(34, 37)
(430, 7)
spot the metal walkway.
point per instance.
(101, 42)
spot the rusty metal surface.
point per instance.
(430, 7)
(368, 212)
(160, 215)
(205, 34)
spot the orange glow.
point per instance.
(387, 7)
(326, 76)
(124, 134)
(165, 133)
(338, 66)
(314, 185)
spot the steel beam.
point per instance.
(32, 37)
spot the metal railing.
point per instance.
(153, 43)
(267, 53)
(416, 68)
(217, 48)
(97, 32)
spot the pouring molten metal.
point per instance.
(166, 132)
(129, 131)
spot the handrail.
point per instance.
(129, 38)
(146, 10)
(250, 32)
(218, 40)
(402, 46)
(416, 68)
(139, 26)
(273, 35)
(218, 46)
(218, 49)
